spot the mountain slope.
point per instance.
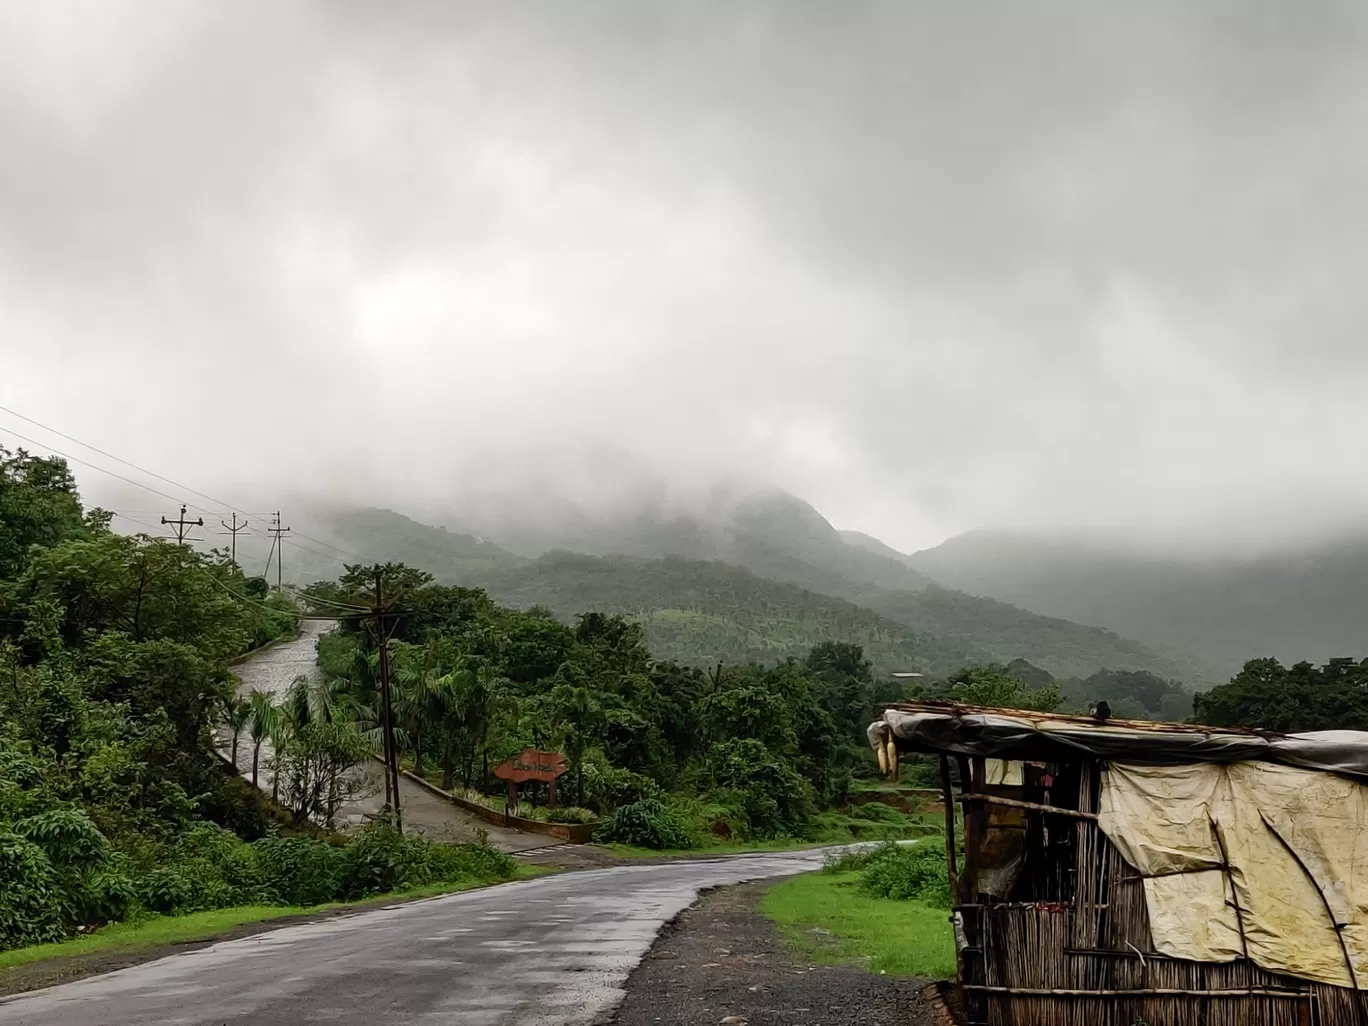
(700, 610)
(1297, 605)
(769, 531)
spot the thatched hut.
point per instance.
(1122, 872)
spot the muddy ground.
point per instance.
(722, 962)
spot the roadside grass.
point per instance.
(826, 916)
(832, 828)
(629, 851)
(158, 931)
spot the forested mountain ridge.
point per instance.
(705, 612)
(768, 531)
(777, 603)
(1307, 604)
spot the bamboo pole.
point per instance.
(1147, 992)
(1012, 803)
(951, 868)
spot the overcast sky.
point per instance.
(930, 266)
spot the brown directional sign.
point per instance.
(530, 764)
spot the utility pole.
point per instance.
(233, 531)
(277, 530)
(382, 635)
(180, 524)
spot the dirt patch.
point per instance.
(722, 962)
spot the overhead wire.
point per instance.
(238, 595)
(221, 504)
(118, 459)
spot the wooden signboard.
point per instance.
(531, 764)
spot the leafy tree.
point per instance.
(38, 507)
(1290, 699)
(992, 685)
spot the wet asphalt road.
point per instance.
(548, 952)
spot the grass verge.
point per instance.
(628, 851)
(161, 931)
(829, 918)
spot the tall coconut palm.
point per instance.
(236, 713)
(262, 724)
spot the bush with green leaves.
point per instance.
(30, 898)
(290, 870)
(608, 787)
(648, 823)
(776, 801)
(380, 859)
(570, 814)
(905, 872)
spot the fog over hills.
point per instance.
(759, 577)
(1300, 602)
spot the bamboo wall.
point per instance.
(1085, 958)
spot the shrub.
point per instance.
(379, 859)
(907, 871)
(775, 799)
(646, 824)
(291, 870)
(372, 863)
(167, 890)
(29, 905)
(877, 812)
(608, 787)
(569, 814)
(111, 895)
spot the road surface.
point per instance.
(554, 951)
(273, 670)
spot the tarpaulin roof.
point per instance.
(1054, 737)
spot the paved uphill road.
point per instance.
(273, 670)
(554, 951)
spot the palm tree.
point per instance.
(264, 722)
(581, 719)
(419, 699)
(235, 714)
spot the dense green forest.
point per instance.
(668, 752)
(114, 659)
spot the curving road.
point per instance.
(273, 670)
(555, 951)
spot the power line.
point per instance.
(160, 477)
(93, 466)
(117, 459)
(247, 598)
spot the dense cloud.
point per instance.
(930, 266)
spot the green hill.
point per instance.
(1294, 605)
(699, 611)
(703, 612)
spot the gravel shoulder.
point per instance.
(722, 962)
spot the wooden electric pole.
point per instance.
(233, 531)
(180, 524)
(383, 628)
(277, 531)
